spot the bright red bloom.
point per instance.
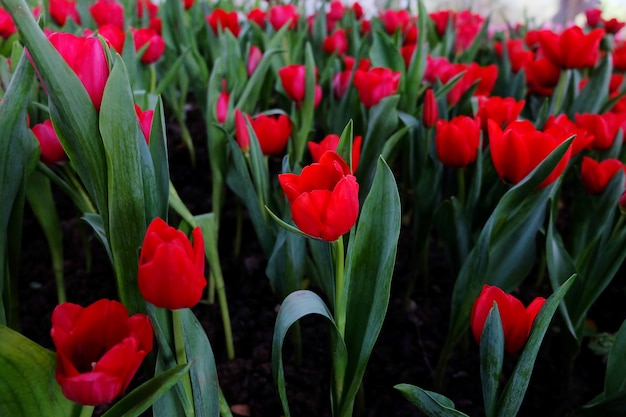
(293, 80)
(572, 48)
(86, 58)
(7, 27)
(272, 132)
(501, 110)
(225, 20)
(254, 57)
(171, 269)
(257, 16)
(619, 57)
(152, 8)
(60, 10)
(518, 55)
(156, 44)
(457, 141)
(145, 121)
(468, 25)
(596, 175)
(357, 9)
(98, 349)
(441, 19)
(582, 140)
(336, 43)
(612, 25)
(375, 84)
(330, 143)
(221, 107)
(108, 12)
(516, 320)
(541, 76)
(280, 15)
(114, 36)
(395, 19)
(324, 198)
(430, 110)
(52, 151)
(336, 11)
(593, 17)
(518, 149)
(341, 80)
(603, 127)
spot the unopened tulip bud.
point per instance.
(430, 112)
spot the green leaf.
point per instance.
(370, 263)
(385, 53)
(513, 394)
(612, 406)
(286, 265)
(595, 93)
(491, 359)
(28, 386)
(430, 403)
(160, 166)
(615, 378)
(346, 140)
(299, 304)
(142, 397)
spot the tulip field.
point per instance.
(219, 210)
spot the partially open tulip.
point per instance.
(501, 110)
(98, 349)
(375, 84)
(114, 36)
(61, 10)
(280, 15)
(572, 48)
(171, 268)
(582, 140)
(604, 128)
(272, 131)
(258, 16)
(336, 43)
(108, 12)
(225, 20)
(51, 150)
(293, 80)
(597, 175)
(324, 198)
(156, 44)
(330, 143)
(516, 320)
(395, 20)
(541, 76)
(457, 141)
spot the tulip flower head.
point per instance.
(61, 10)
(171, 268)
(457, 141)
(324, 198)
(516, 320)
(156, 44)
(375, 84)
(98, 349)
(430, 110)
(336, 43)
(108, 12)
(226, 20)
(293, 80)
(572, 48)
(597, 175)
(145, 121)
(7, 27)
(330, 143)
(281, 15)
(51, 150)
(272, 132)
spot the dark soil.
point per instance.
(406, 352)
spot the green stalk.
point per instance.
(80, 410)
(340, 284)
(224, 408)
(216, 268)
(181, 356)
(461, 184)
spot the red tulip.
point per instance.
(501, 110)
(612, 25)
(441, 20)
(221, 107)
(622, 203)
(171, 269)
(156, 44)
(516, 320)
(468, 25)
(541, 76)
(593, 17)
(324, 198)
(280, 15)
(619, 57)
(258, 16)
(99, 349)
(60, 10)
(336, 43)
(225, 20)
(330, 143)
(152, 8)
(86, 57)
(293, 80)
(7, 27)
(457, 141)
(341, 80)
(145, 121)
(430, 110)
(596, 175)
(572, 48)
(51, 149)
(395, 19)
(604, 128)
(254, 57)
(582, 140)
(114, 36)
(272, 132)
(375, 84)
(108, 12)
(517, 54)
(518, 149)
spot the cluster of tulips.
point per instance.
(476, 139)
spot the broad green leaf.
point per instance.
(515, 389)
(430, 403)
(385, 53)
(595, 93)
(161, 175)
(612, 406)
(28, 386)
(286, 265)
(491, 359)
(126, 206)
(346, 140)
(142, 397)
(370, 263)
(615, 378)
(299, 304)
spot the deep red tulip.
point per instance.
(603, 127)
(441, 20)
(52, 151)
(258, 16)
(582, 140)
(501, 110)
(357, 9)
(336, 11)
(86, 57)
(457, 141)
(272, 132)
(375, 84)
(541, 76)
(430, 110)
(156, 44)
(395, 20)
(225, 20)
(612, 25)
(330, 143)
(145, 121)
(221, 107)
(188, 4)
(293, 80)
(468, 25)
(518, 149)
(280, 15)
(7, 27)
(619, 57)
(108, 12)
(254, 57)
(341, 80)
(517, 53)
(60, 10)
(324, 198)
(597, 175)
(593, 17)
(114, 36)
(572, 48)
(516, 320)
(407, 53)
(151, 8)
(336, 43)
(98, 349)
(171, 269)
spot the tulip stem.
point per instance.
(181, 354)
(461, 185)
(80, 410)
(340, 284)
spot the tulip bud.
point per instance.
(51, 149)
(430, 111)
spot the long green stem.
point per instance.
(461, 185)
(340, 285)
(181, 356)
(216, 270)
(80, 410)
